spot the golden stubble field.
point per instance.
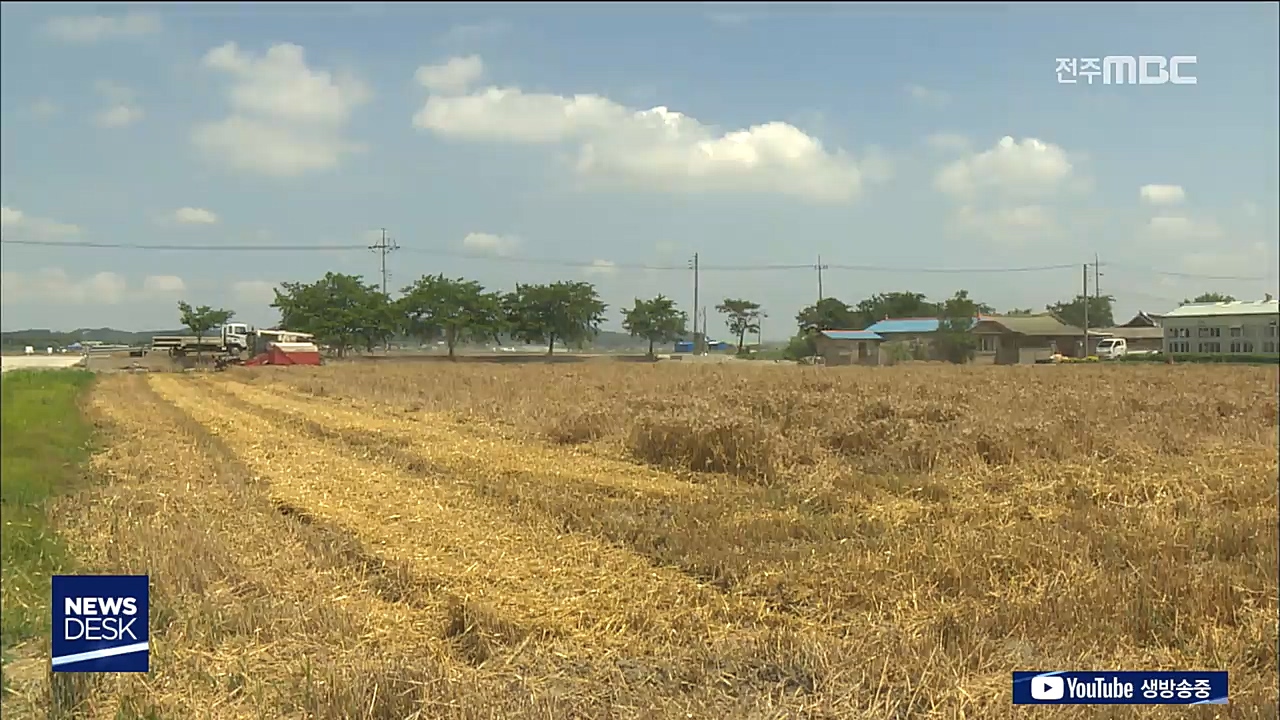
(659, 541)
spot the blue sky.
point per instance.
(906, 138)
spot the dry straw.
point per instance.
(651, 541)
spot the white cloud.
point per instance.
(490, 244)
(287, 119)
(194, 216)
(54, 286)
(122, 109)
(926, 96)
(1162, 194)
(601, 268)
(85, 29)
(254, 292)
(1011, 168)
(1251, 260)
(453, 77)
(163, 285)
(118, 116)
(1010, 225)
(1181, 227)
(18, 225)
(43, 108)
(658, 149)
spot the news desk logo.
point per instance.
(100, 623)
(1120, 688)
(1127, 70)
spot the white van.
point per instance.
(1112, 348)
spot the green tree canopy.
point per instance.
(1210, 297)
(1072, 312)
(455, 310)
(200, 320)
(743, 316)
(656, 320)
(570, 312)
(954, 342)
(893, 305)
(827, 314)
(342, 311)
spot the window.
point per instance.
(1179, 347)
(1241, 346)
(1210, 332)
(1237, 331)
(988, 343)
(1180, 332)
(1271, 329)
(1269, 346)
(1210, 347)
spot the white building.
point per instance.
(1242, 326)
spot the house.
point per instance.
(1015, 339)
(848, 347)
(1240, 326)
(1142, 333)
(911, 335)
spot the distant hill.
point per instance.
(38, 337)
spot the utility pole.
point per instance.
(704, 328)
(384, 246)
(697, 342)
(1085, 301)
(820, 267)
(1097, 277)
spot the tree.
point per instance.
(570, 312)
(342, 311)
(743, 317)
(458, 310)
(953, 340)
(827, 314)
(201, 320)
(1209, 298)
(893, 305)
(656, 320)
(1021, 311)
(1072, 313)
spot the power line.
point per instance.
(767, 267)
(216, 248)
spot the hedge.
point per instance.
(1234, 358)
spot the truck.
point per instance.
(1114, 348)
(231, 338)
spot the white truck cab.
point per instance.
(1112, 348)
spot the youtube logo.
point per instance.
(1047, 687)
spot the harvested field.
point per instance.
(658, 541)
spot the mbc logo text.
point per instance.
(1128, 70)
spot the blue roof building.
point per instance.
(850, 335)
(908, 326)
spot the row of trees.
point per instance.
(344, 312)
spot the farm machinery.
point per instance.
(241, 344)
(274, 347)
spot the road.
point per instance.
(40, 362)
